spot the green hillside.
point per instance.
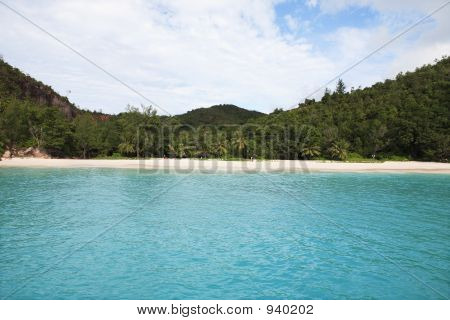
(408, 117)
(15, 84)
(217, 115)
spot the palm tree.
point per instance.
(239, 142)
(310, 151)
(339, 149)
(221, 148)
(179, 150)
(126, 148)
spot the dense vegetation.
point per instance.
(407, 117)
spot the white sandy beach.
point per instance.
(221, 166)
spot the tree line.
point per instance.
(404, 118)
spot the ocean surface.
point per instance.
(123, 234)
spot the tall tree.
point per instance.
(340, 87)
(48, 129)
(221, 147)
(86, 133)
(240, 142)
(13, 123)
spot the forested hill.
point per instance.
(15, 84)
(217, 115)
(408, 117)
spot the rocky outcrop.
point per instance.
(7, 154)
(15, 84)
(27, 153)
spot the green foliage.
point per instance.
(126, 148)
(339, 150)
(133, 128)
(310, 151)
(406, 117)
(85, 134)
(356, 157)
(340, 87)
(113, 156)
(240, 143)
(49, 129)
(13, 123)
(277, 110)
(395, 158)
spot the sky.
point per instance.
(184, 54)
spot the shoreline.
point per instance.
(224, 166)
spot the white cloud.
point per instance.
(381, 5)
(419, 46)
(184, 54)
(295, 24)
(291, 22)
(181, 54)
(311, 3)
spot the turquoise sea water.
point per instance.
(120, 234)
